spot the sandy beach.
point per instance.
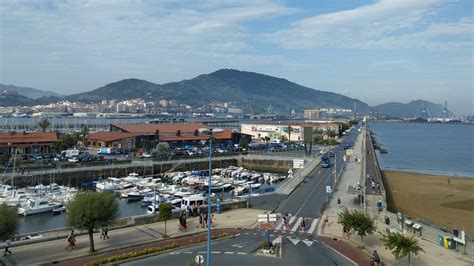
(431, 198)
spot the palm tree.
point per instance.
(401, 245)
(44, 124)
(84, 132)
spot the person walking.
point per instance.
(104, 230)
(303, 225)
(71, 239)
(285, 222)
(7, 246)
(376, 257)
(200, 220)
(379, 206)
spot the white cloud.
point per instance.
(383, 24)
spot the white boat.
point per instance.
(37, 205)
(108, 185)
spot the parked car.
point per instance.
(33, 236)
(73, 160)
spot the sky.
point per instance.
(377, 51)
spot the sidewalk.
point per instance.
(433, 255)
(54, 251)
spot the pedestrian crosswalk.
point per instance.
(295, 225)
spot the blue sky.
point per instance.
(376, 51)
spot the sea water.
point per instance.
(439, 149)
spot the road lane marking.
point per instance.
(202, 252)
(188, 252)
(313, 226)
(279, 225)
(229, 252)
(297, 224)
(291, 220)
(241, 253)
(309, 196)
(215, 252)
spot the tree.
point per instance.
(9, 222)
(44, 123)
(65, 141)
(401, 245)
(283, 138)
(165, 212)
(90, 210)
(332, 134)
(357, 221)
(243, 144)
(147, 145)
(84, 132)
(163, 148)
(289, 133)
(317, 136)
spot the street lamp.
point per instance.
(210, 132)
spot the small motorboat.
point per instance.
(58, 210)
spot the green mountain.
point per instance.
(28, 92)
(258, 91)
(12, 99)
(418, 108)
(121, 90)
(251, 90)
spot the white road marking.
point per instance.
(188, 252)
(202, 252)
(308, 243)
(313, 226)
(215, 252)
(279, 225)
(294, 240)
(291, 220)
(309, 196)
(247, 233)
(297, 224)
(229, 252)
(241, 253)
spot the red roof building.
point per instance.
(27, 142)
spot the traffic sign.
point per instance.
(328, 189)
(199, 259)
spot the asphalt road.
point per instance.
(240, 251)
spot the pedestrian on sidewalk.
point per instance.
(71, 239)
(303, 224)
(7, 246)
(204, 224)
(104, 232)
(200, 220)
(376, 257)
(379, 206)
(285, 222)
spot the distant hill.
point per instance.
(418, 108)
(28, 92)
(121, 90)
(12, 99)
(248, 89)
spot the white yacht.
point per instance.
(37, 205)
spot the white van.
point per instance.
(195, 200)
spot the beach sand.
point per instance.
(432, 199)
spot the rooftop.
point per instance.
(11, 138)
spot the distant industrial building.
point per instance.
(312, 114)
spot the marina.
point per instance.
(44, 207)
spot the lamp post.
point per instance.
(210, 132)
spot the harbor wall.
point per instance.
(274, 166)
